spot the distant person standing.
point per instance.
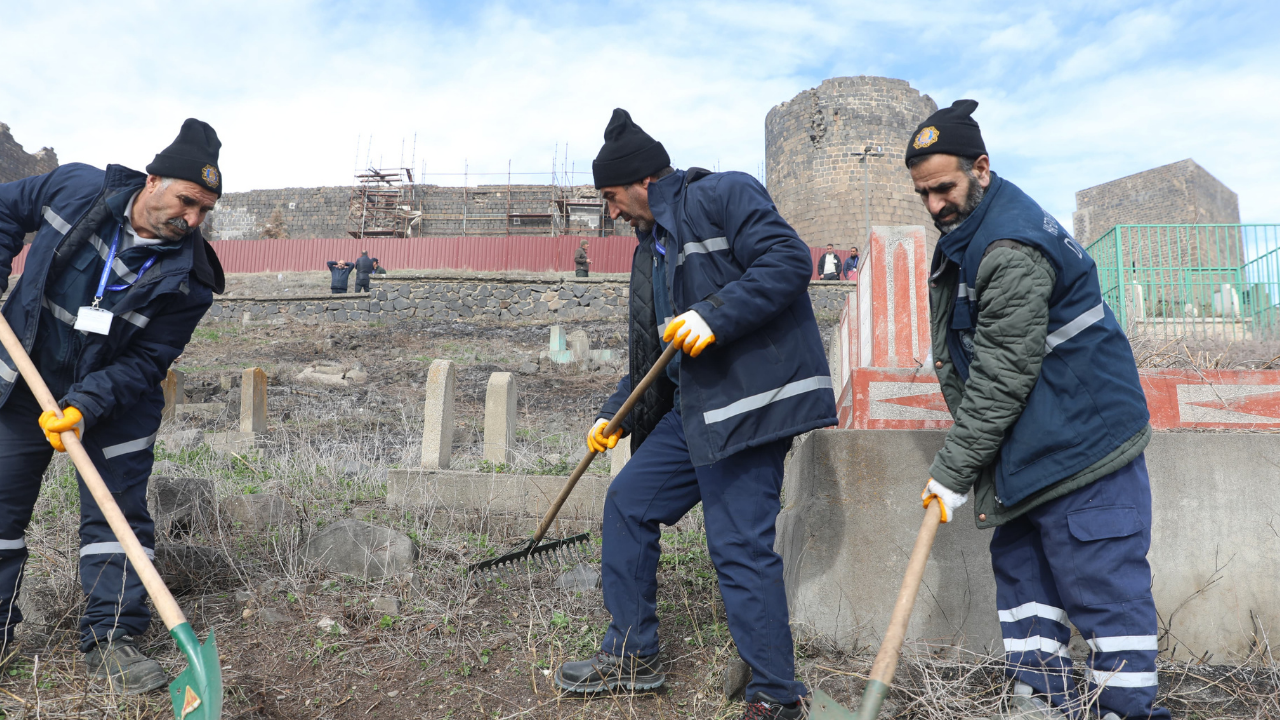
(581, 263)
(377, 268)
(339, 276)
(850, 271)
(364, 268)
(829, 264)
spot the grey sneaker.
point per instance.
(1024, 704)
(123, 665)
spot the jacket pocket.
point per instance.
(1109, 551)
(1040, 431)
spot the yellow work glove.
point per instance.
(598, 441)
(53, 425)
(690, 332)
(948, 500)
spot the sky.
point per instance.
(1072, 93)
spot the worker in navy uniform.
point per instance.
(1050, 429)
(115, 281)
(720, 273)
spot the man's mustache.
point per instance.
(178, 224)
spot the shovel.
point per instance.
(821, 706)
(197, 692)
(530, 549)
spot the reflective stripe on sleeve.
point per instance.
(136, 318)
(14, 544)
(110, 548)
(7, 373)
(1036, 642)
(1122, 643)
(1123, 679)
(1033, 609)
(58, 223)
(755, 402)
(58, 311)
(132, 446)
(704, 246)
(1075, 327)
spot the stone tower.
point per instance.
(815, 178)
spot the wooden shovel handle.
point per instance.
(659, 367)
(891, 648)
(165, 605)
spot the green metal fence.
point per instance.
(1195, 281)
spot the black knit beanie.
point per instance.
(193, 156)
(950, 131)
(629, 155)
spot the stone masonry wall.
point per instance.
(16, 163)
(321, 212)
(493, 297)
(1174, 194)
(813, 176)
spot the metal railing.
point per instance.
(1200, 281)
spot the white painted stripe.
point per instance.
(1034, 609)
(1123, 679)
(14, 544)
(1075, 327)
(705, 246)
(132, 446)
(110, 548)
(58, 223)
(1036, 642)
(58, 311)
(7, 373)
(139, 320)
(1123, 643)
(755, 402)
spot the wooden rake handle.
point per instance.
(659, 367)
(165, 605)
(891, 648)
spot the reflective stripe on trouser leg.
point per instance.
(24, 455)
(1033, 621)
(1096, 540)
(116, 599)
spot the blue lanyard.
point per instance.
(106, 270)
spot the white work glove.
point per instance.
(690, 332)
(948, 500)
(598, 441)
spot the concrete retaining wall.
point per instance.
(496, 297)
(852, 512)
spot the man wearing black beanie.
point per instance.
(720, 273)
(116, 279)
(1050, 428)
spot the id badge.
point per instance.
(93, 320)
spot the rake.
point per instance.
(563, 549)
(197, 692)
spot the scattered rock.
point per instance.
(386, 605)
(323, 375)
(165, 467)
(243, 597)
(181, 440)
(273, 616)
(357, 375)
(330, 625)
(413, 582)
(179, 505)
(580, 577)
(528, 368)
(357, 548)
(736, 677)
(270, 587)
(247, 613)
(258, 513)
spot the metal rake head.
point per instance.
(547, 555)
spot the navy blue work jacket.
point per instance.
(734, 260)
(115, 381)
(1087, 401)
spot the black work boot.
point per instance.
(123, 665)
(764, 707)
(606, 672)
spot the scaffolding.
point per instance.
(381, 203)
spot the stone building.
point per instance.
(16, 163)
(1181, 193)
(814, 174)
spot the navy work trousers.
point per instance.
(1082, 558)
(116, 599)
(740, 501)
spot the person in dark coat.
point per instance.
(116, 279)
(377, 268)
(339, 275)
(581, 263)
(829, 264)
(850, 270)
(720, 273)
(364, 268)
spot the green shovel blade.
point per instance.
(197, 692)
(823, 707)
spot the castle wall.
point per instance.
(1174, 194)
(16, 163)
